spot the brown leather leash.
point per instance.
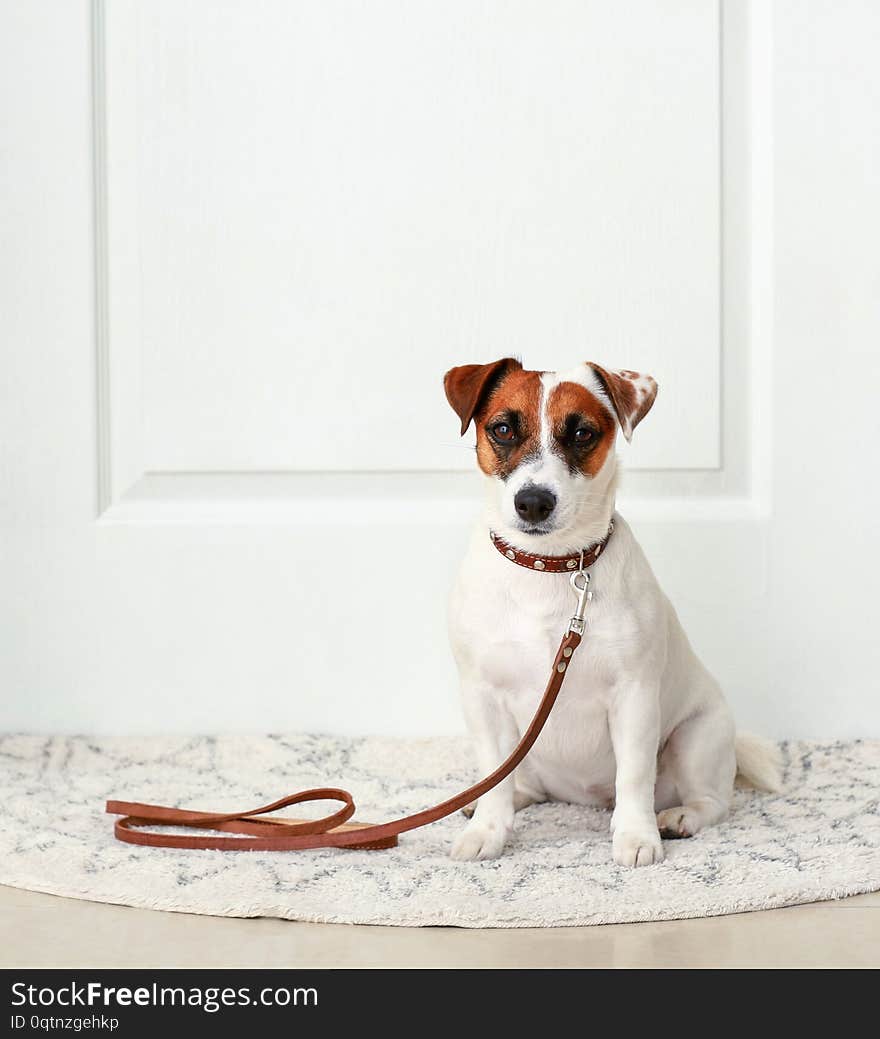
(335, 830)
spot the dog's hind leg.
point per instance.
(700, 761)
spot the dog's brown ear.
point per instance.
(631, 395)
(468, 386)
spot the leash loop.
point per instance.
(335, 830)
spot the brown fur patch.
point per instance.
(469, 385)
(517, 401)
(569, 407)
(631, 394)
(503, 392)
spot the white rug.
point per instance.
(819, 840)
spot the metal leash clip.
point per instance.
(582, 591)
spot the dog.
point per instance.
(641, 727)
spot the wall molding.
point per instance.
(104, 482)
(762, 252)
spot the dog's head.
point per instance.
(546, 442)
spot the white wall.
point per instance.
(822, 648)
(222, 325)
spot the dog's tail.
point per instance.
(758, 762)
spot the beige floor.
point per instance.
(42, 930)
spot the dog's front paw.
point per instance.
(641, 847)
(480, 840)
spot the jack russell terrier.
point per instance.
(641, 726)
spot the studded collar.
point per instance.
(552, 564)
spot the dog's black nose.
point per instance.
(534, 504)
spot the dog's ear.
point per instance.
(631, 395)
(468, 386)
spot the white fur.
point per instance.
(634, 688)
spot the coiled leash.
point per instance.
(335, 830)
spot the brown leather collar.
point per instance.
(552, 564)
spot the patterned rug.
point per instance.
(818, 840)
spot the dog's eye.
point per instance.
(583, 435)
(503, 431)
